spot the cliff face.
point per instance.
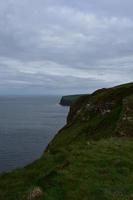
(103, 114)
(102, 101)
(90, 158)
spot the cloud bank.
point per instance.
(60, 47)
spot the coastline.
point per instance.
(75, 164)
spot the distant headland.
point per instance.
(69, 100)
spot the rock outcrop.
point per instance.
(125, 124)
(34, 194)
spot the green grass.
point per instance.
(97, 170)
(89, 170)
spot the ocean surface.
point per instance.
(27, 124)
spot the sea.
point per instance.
(27, 125)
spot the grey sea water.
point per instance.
(27, 124)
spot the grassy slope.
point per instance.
(86, 160)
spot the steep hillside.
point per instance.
(91, 158)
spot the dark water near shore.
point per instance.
(27, 124)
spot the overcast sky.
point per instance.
(65, 47)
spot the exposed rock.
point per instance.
(125, 124)
(34, 194)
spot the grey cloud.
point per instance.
(65, 46)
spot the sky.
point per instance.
(65, 47)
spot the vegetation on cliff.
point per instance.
(90, 158)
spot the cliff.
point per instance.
(69, 100)
(90, 158)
